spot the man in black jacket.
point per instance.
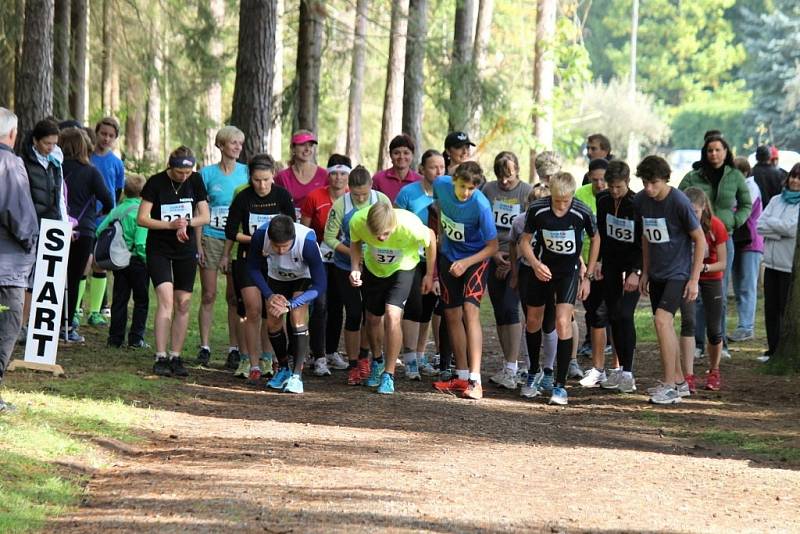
(768, 177)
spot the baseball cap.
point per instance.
(455, 139)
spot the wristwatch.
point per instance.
(705, 267)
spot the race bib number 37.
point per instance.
(655, 230)
(559, 241)
(179, 210)
(619, 229)
(453, 230)
(386, 256)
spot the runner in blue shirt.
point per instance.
(469, 239)
(221, 180)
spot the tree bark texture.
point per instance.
(544, 73)
(413, 84)
(356, 97)
(134, 125)
(480, 49)
(214, 90)
(275, 133)
(309, 51)
(393, 98)
(34, 87)
(461, 66)
(79, 66)
(107, 68)
(61, 58)
(252, 94)
(152, 148)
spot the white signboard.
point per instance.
(44, 322)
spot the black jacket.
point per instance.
(86, 186)
(45, 185)
(769, 180)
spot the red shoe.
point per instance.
(713, 380)
(690, 381)
(363, 368)
(354, 376)
(454, 385)
(474, 391)
(255, 375)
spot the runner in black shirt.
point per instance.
(558, 224)
(173, 201)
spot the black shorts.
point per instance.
(563, 288)
(595, 306)
(288, 288)
(419, 307)
(241, 279)
(469, 287)
(377, 292)
(180, 273)
(666, 294)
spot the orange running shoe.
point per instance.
(353, 376)
(474, 391)
(363, 368)
(713, 380)
(454, 385)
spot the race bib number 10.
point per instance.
(179, 210)
(619, 229)
(559, 241)
(655, 230)
(453, 230)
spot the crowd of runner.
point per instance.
(309, 253)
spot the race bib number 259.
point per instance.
(559, 241)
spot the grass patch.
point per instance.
(771, 447)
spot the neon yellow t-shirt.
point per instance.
(400, 251)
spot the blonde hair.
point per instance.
(562, 184)
(381, 218)
(227, 133)
(134, 183)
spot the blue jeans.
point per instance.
(745, 286)
(700, 312)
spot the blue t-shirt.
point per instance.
(414, 199)
(465, 226)
(221, 190)
(113, 171)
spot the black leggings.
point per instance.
(349, 297)
(776, 295)
(79, 252)
(711, 293)
(621, 306)
(325, 323)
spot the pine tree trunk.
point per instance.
(544, 73)
(356, 98)
(106, 75)
(214, 91)
(152, 148)
(61, 58)
(787, 356)
(114, 88)
(79, 66)
(34, 85)
(413, 84)
(461, 66)
(482, 33)
(134, 125)
(275, 133)
(309, 51)
(393, 98)
(252, 94)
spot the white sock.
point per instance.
(409, 357)
(512, 366)
(462, 374)
(627, 374)
(205, 347)
(254, 367)
(231, 349)
(475, 377)
(173, 355)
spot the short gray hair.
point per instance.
(8, 121)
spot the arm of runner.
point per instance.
(202, 215)
(690, 293)
(143, 219)
(319, 276)
(355, 263)
(333, 226)
(255, 259)
(430, 263)
(459, 267)
(744, 204)
(225, 260)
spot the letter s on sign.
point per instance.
(55, 239)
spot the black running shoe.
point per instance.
(203, 356)
(162, 367)
(176, 364)
(233, 360)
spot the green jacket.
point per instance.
(731, 201)
(135, 236)
(586, 195)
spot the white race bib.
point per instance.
(326, 252)
(256, 220)
(179, 210)
(655, 230)
(504, 213)
(453, 230)
(386, 256)
(619, 229)
(559, 241)
(219, 217)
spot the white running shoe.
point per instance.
(725, 354)
(627, 384)
(426, 368)
(665, 395)
(575, 370)
(522, 377)
(336, 361)
(593, 378)
(321, 367)
(683, 389)
(612, 380)
(530, 389)
(505, 378)
(698, 353)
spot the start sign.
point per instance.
(47, 301)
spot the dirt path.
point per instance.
(343, 459)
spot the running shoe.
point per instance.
(161, 367)
(665, 395)
(233, 359)
(608, 350)
(203, 356)
(141, 344)
(336, 361)
(683, 389)
(627, 384)
(546, 384)
(454, 385)
(593, 378)
(106, 312)
(176, 364)
(691, 384)
(426, 368)
(255, 375)
(585, 350)
(698, 353)
(265, 362)
(559, 397)
(612, 380)
(280, 378)
(294, 384)
(6, 407)
(243, 370)
(725, 354)
(376, 369)
(522, 377)
(739, 335)
(764, 358)
(353, 376)
(531, 387)
(412, 370)
(446, 375)
(321, 367)
(363, 368)
(474, 391)
(72, 336)
(97, 319)
(574, 370)
(505, 378)
(713, 380)
(386, 386)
